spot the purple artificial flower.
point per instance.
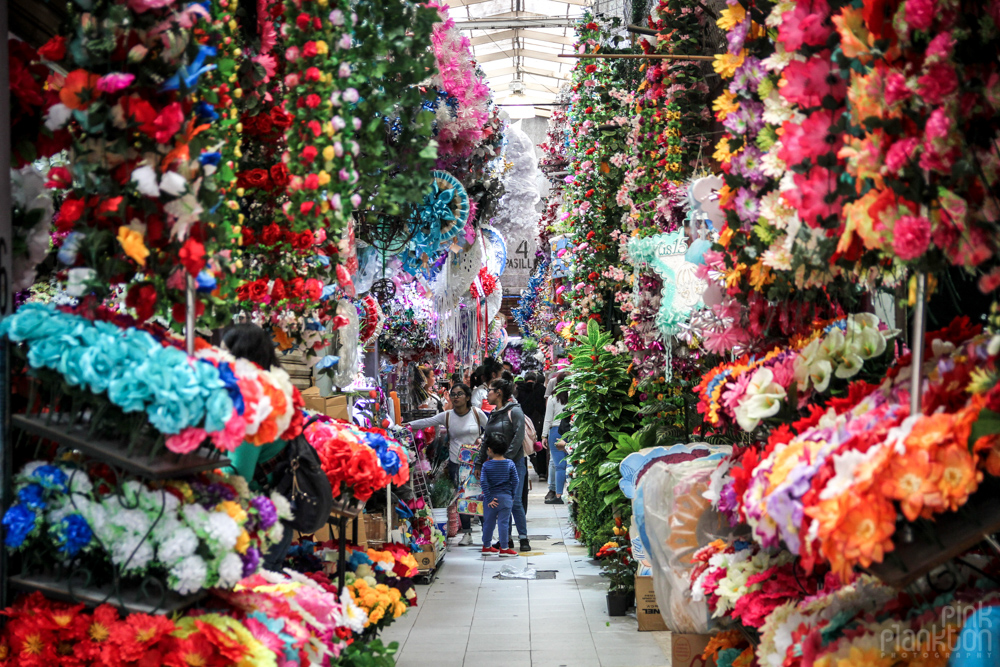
(728, 505)
(747, 163)
(748, 76)
(251, 561)
(266, 512)
(738, 36)
(746, 206)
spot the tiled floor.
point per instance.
(466, 617)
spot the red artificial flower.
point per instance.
(309, 50)
(304, 241)
(807, 83)
(270, 235)
(303, 21)
(141, 297)
(313, 100)
(256, 178)
(54, 49)
(263, 124)
(192, 256)
(309, 154)
(296, 288)
(279, 175)
(311, 182)
(138, 632)
(313, 289)
(306, 207)
(807, 23)
(59, 178)
(70, 211)
(257, 291)
(79, 89)
(939, 83)
(280, 118)
(168, 123)
(313, 74)
(590, 235)
(179, 311)
(139, 111)
(590, 69)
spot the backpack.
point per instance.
(301, 479)
(530, 437)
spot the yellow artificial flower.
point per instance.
(328, 153)
(233, 509)
(322, 48)
(730, 17)
(243, 542)
(725, 104)
(726, 64)
(133, 245)
(723, 153)
(324, 178)
(733, 277)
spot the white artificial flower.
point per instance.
(57, 116)
(173, 184)
(79, 482)
(77, 279)
(188, 575)
(993, 348)
(849, 366)
(276, 532)
(222, 529)
(181, 543)
(763, 398)
(240, 485)
(129, 521)
(145, 181)
(354, 617)
(230, 571)
(820, 373)
(132, 553)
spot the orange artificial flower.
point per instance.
(79, 90)
(959, 476)
(912, 480)
(855, 40)
(863, 534)
(931, 431)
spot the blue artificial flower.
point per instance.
(192, 72)
(130, 391)
(328, 291)
(214, 158)
(170, 417)
(70, 248)
(138, 344)
(19, 523)
(218, 410)
(229, 381)
(206, 281)
(96, 368)
(29, 324)
(32, 496)
(69, 365)
(46, 352)
(50, 477)
(73, 534)
(206, 111)
(314, 325)
(329, 361)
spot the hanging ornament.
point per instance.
(384, 290)
(496, 251)
(440, 217)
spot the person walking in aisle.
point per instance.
(507, 419)
(463, 424)
(479, 384)
(557, 447)
(499, 480)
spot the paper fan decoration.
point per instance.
(442, 214)
(496, 251)
(372, 318)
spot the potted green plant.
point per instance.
(619, 567)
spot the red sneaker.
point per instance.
(507, 552)
(488, 550)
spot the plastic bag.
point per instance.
(510, 571)
(679, 521)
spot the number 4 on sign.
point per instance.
(522, 249)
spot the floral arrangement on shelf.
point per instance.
(357, 462)
(836, 485)
(30, 97)
(418, 527)
(135, 375)
(381, 583)
(206, 532)
(754, 389)
(143, 197)
(741, 582)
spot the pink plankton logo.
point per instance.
(965, 634)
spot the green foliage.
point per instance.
(367, 654)
(604, 413)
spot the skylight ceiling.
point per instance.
(517, 43)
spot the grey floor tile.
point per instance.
(498, 659)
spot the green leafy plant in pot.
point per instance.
(619, 567)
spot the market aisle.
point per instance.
(466, 617)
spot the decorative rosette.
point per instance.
(371, 316)
(439, 219)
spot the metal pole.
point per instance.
(631, 56)
(190, 316)
(388, 513)
(917, 344)
(6, 304)
(341, 552)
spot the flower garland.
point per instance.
(207, 532)
(212, 396)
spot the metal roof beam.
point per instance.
(519, 32)
(524, 53)
(506, 23)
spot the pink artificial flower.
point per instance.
(808, 23)
(807, 83)
(810, 195)
(911, 236)
(896, 89)
(938, 125)
(940, 48)
(920, 13)
(900, 153)
(990, 281)
(232, 436)
(269, 64)
(268, 36)
(939, 83)
(140, 6)
(972, 249)
(186, 441)
(292, 54)
(112, 83)
(811, 139)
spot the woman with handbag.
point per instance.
(462, 426)
(507, 419)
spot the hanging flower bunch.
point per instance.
(829, 486)
(211, 397)
(409, 325)
(29, 99)
(357, 463)
(207, 532)
(463, 117)
(144, 187)
(751, 390)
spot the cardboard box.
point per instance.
(686, 650)
(325, 533)
(336, 406)
(646, 608)
(374, 527)
(426, 558)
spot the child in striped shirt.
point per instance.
(499, 480)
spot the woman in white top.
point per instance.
(479, 389)
(557, 457)
(464, 424)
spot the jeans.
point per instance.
(274, 559)
(517, 511)
(559, 461)
(453, 470)
(497, 516)
(553, 454)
